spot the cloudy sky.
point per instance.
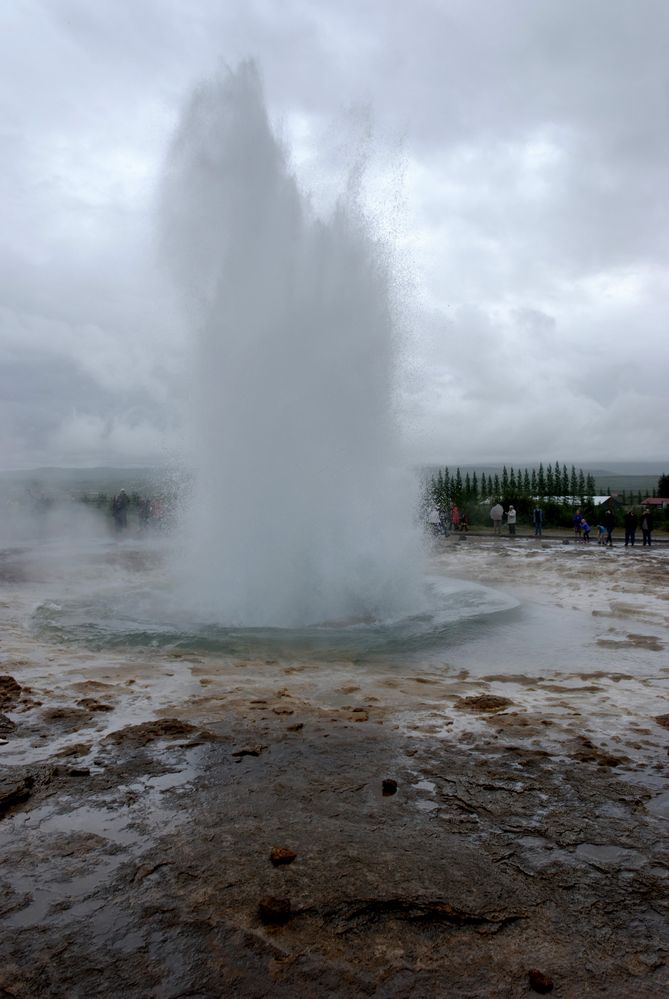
(523, 144)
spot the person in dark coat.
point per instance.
(120, 506)
(538, 521)
(646, 526)
(630, 527)
(609, 524)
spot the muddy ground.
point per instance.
(513, 850)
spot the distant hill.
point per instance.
(613, 482)
(77, 481)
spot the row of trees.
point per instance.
(553, 484)
(557, 489)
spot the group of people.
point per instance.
(607, 525)
(458, 521)
(497, 515)
(149, 511)
(443, 520)
(631, 522)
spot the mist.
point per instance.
(301, 511)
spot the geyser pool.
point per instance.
(110, 596)
(301, 512)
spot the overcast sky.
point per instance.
(524, 144)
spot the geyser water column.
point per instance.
(300, 513)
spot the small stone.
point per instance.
(484, 702)
(282, 855)
(296, 727)
(540, 982)
(359, 715)
(389, 786)
(79, 772)
(663, 720)
(248, 751)
(274, 910)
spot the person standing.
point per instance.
(496, 515)
(511, 519)
(455, 518)
(433, 520)
(609, 524)
(630, 522)
(538, 521)
(646, 526)
(120, 506)
(576, 521)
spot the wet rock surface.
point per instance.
(143, 791)
(149, 875)
(6, 724)
(10, 691)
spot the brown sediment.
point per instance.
(10, 692)
(160, 728)
(650, 642)
(484, 703)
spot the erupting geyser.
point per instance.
(299, 513)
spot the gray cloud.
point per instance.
(531, 143)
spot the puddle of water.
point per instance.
(426, 785)
(534, 842)
(610, 855)
(659, 805)
(102, 821)
(613, 810)
(68, 883)
(425, 805)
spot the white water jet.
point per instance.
(300, 512)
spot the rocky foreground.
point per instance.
(292, 850)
